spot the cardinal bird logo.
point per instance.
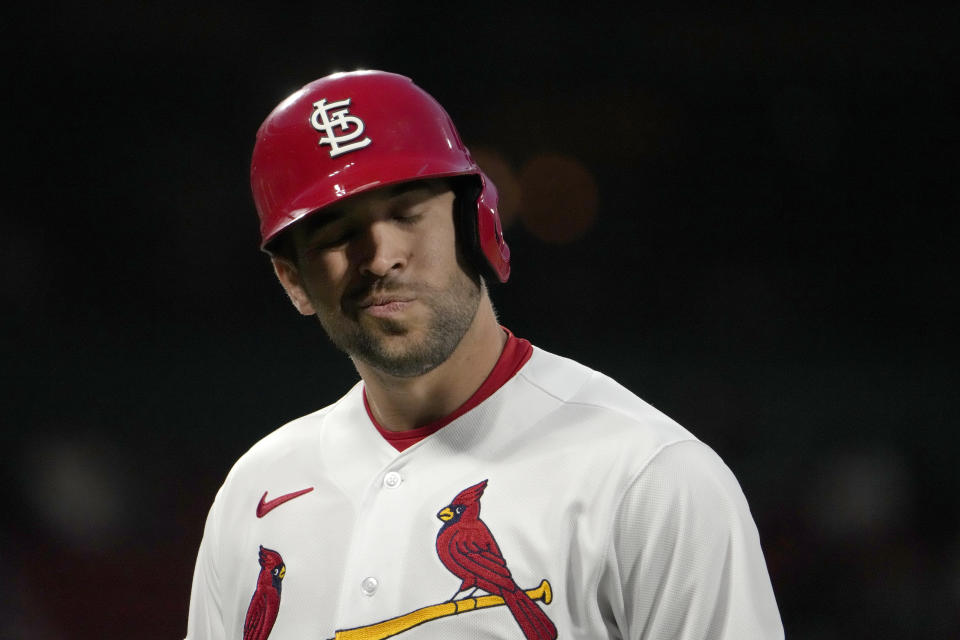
(265, 603)
(467, 549)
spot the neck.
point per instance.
(401, 404)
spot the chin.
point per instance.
(404, 356)
(408, 345)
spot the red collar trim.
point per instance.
(515, 354)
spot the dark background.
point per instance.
(746, 217)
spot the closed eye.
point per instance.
(408, 218)
(328, 238)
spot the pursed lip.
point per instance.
(384, 305)
(382, 300)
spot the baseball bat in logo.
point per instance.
(327, 117)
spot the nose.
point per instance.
(379, 249)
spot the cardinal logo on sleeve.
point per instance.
(265, 603)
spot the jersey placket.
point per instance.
(373, 569)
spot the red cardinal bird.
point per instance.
(467, 548)
(265, 603)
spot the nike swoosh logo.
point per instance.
(266, 506)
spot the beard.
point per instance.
(391, 346)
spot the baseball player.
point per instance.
(470, 485)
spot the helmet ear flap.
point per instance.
(493, 246)
(478, 226)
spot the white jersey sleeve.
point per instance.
(205, 621)
(685, 559)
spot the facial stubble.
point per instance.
(387, 344)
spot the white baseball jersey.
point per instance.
(615, 521)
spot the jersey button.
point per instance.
(392, 480)
(369, 586)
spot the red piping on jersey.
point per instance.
(515, 354)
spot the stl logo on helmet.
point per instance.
(326, 117)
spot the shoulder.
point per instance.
(291, 445)
(577, 385)
(597, 406)
(685, 481)
(665, 470)
(659, 454)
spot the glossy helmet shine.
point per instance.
(353, 132)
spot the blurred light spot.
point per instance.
(75, 487)
(559, 198)
(859, 494)
(504, 177)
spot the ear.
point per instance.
(289, 277)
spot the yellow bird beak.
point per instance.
(446, 514)
(283, 571)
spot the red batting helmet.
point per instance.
(352, 132)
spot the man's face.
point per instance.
(384, 275)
